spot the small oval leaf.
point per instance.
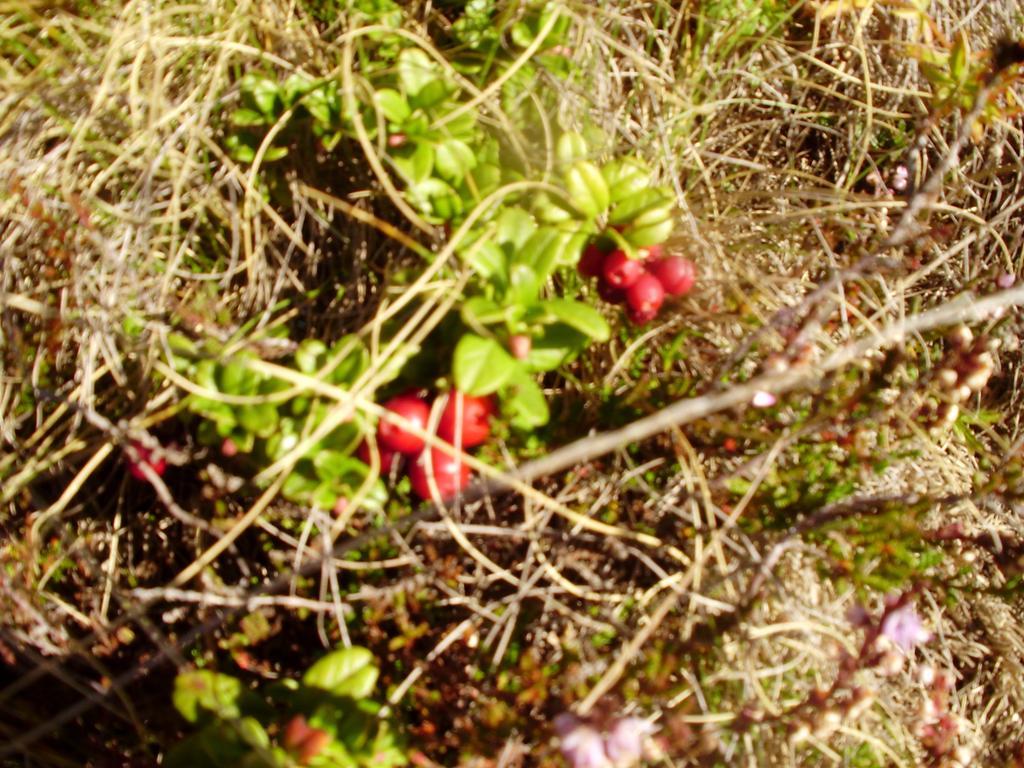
(349, 672)
(481, 366)
(583, 317)
(587, 188)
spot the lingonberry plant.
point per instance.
(326, 719)
(520, 230)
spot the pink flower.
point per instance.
(625, 744)
(900, 178)
(582, 745)
(763, 399)
(585, 747)
(904, 628)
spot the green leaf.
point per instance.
(253, 733)
(247, 118)
(274, 153)
(587, 188)
(641, 237)
(415, 70)
(241, 147)
(482, 311)
(299, 486)
(525, 404)
(339, 467)
(640, 204)
(453, 159)
(580, 316)
(435, 197)
(550, 210)
(350, 359)
(522, 34)
(625, 177)
(481, 366)
(486, 259)
(523, 285)
(295, 87)
(432, 94)
(260, 419)
(325, 496)
(557, 345)
(542, 250)
(212, 691)
(571, 147)
(349, 672)
(392, 105)
(515, 225)
(310, 355)
(958, 58)
(319, 105)
(234, 378)
(415, 162)
(261, 92)
(572, 249)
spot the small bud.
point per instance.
(928, 712)
(799, 734)
(396, 140)
(858, 615)
(961, 336)
(1005, 280)
(776, 364)
(827, 723)
(763, 399)
(963, 755)
(520, 345)
(948, 413)
(229, 448)
(926, 674)
(976, 380)
(890, 663)
(860, 702)
(946, 378)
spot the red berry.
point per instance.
(645, 295)
(449, 473)
(610, 293)
(591, 262)
(621, 271)
(313, 745)
(472, 424)
(295, 732)
(229, 448)
(393, 437)
(520, 346)
(145, 457)
(641, 316)
(651, 252)
(386, 457)
(676, 274)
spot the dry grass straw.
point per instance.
(124, 219)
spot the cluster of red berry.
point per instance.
(641, 284)
(464, 422)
